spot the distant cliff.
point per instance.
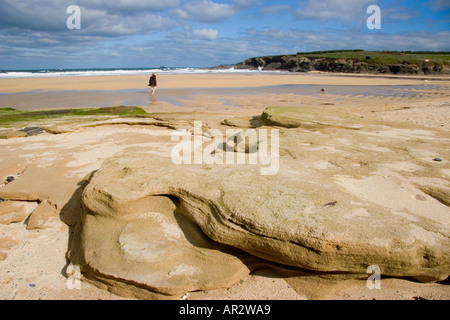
(355, 61)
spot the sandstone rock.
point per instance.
(9, 134)
(339, 203)
(309, 118)
(42, 183)
(159, 249)
(40, 216)
(239, 142)
(281, 222)
(240, 122)
(15, 211)
(12, 217)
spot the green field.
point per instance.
(383, 57)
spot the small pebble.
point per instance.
(437, 159)
(330, 204)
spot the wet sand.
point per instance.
(218, 92)
(178, 81)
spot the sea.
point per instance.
(53, 73)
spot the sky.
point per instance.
(205, 33)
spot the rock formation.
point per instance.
(300, 63)
(344, 199)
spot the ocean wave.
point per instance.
(56, 73)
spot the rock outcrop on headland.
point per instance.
(299, 63)
(339, 203)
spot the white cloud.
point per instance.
(204, 11)
(99, 18)
(439, 5)
(205, 34)
(34, 34)
(274, 10)
(247, 3)
(100, 23)
(298, 40)
(334, 10)
(399, 14)
(46, 15)
(189, 34)
(205, 53)
(128, 5)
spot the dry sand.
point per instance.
(33, 262)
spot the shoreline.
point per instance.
(46, 100)
(216, 92)
(180, 81)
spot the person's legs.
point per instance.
(153, 89)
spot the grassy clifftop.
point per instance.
(356, 61)
(383, 57)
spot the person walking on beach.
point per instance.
(153, 83)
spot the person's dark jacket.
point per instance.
(152, 82)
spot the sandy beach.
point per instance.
(408, 113)
(193, 81)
